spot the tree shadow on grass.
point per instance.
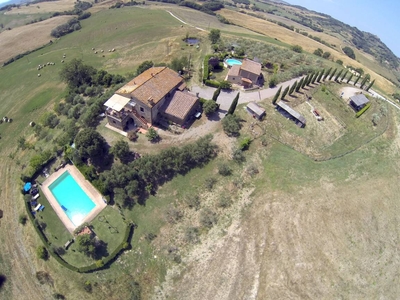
(101, 250)
(3, 280)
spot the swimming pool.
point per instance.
(232, 61)
(73, 200)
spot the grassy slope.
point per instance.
(283, 168)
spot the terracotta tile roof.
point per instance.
(251, 66)
(85, 230)
(180, 104)
(152, 85)
(234, 70)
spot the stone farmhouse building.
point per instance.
(246, 74)
(158, 93)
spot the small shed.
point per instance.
(291, 113)
(255, 110)
(358, 101)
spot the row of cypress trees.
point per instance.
(318, 76)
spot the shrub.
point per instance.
(212, 83)
(231, 125)
(349, 52)
(252, 170)
(224, 170)
(193, 201)
(244, 143)
(173, 215)
(22, 219)
(132, 135)
(297, 48)
(210, 182)
(238, 156)
(87, 286)
(192, 235)
(42, 253)
(208, 218)
(209, 107)
(152, 135)
(363, 110)
(224, 201)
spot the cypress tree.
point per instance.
(285, 91)
(309, 79)
(338, 75)
(345, 74)
(314, 78)
(333, 74)
(366, 78)
(299, 84)
(216, 93)
(304, 82)
(370, 85)
(358, 78)
(292, 88)
(327, 73)
(232, 108)
(277, 95)
(320, 75)
(351, 76)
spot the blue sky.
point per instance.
(380, 17)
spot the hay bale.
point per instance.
(38, 75)
(32, 124)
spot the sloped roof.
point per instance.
(152, 85)
(234, 70)
(251, 66)
(359, 99)
(180, 104)
(292, 112)
(117, 102)
(256, 108)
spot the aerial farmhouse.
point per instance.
(247, 74)
(158, 93)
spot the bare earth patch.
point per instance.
(349, 92)
(28, 37)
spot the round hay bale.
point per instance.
(9, 120)
(102, 51)
(32, 124)
(38, 75)
(62, 61)
(93, 49)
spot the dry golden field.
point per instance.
(43, 7)
(28, 37)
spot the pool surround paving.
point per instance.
(86, 186)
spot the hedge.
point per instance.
(212, 83)
(206, 71)
(363, 110)
(91, 268)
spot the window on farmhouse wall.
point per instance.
(142, 109)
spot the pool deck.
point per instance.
(87, 187)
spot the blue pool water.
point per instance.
(71, 197)
(232, 61)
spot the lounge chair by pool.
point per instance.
(41, 208)
(37, 207)
(36, 196)
(33, 203)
